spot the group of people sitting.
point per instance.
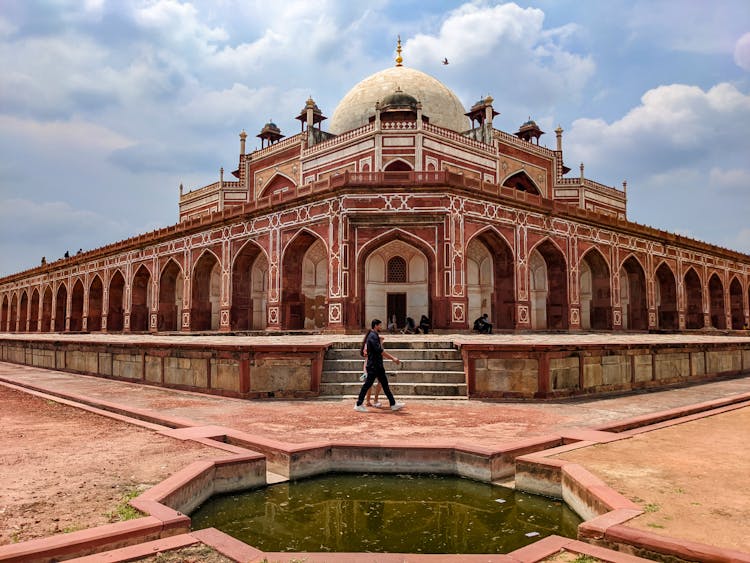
(411, 327)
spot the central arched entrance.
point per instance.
(396, 283)
(596, 297)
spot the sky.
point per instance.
(106, 107)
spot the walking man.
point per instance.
(375, 368)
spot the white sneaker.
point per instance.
(397, 406)
(377, 405)
(360, 408)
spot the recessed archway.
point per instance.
(4, 312)
(693, 300)
(47, 310)
(548, 287)
(13, 326)
(206, 287)
(633, 295)
(520, 181)
(34, 312)
(23, 312)
(716, 303)
(171, 286)
(596, 296)
(249, 289)
(96, 298)
(736, 306)
(398, 165)
(140, 299)
(490, 279)
(76, 307)
(116, 308)
(666, 299)
(61, 308)
(305, 285)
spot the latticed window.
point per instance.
(396, 270)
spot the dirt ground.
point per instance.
(191, 554)
(63, 469)
(692, 478)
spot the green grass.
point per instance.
(651, 507)
(123, 511)
(586, 559)
(654, 525)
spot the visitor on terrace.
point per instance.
(424, 325)
(482, 325)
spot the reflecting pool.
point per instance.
(387, 513)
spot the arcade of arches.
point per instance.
(398, 277)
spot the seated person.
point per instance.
(392, 324)
(411, 326)
(424, 325)
(482, 325)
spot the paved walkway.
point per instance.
(482, 422)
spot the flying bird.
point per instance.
(445, 61)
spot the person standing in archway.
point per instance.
(375, 368)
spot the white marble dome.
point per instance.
(438, 103)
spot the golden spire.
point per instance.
(399, 60)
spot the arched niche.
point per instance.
(171, 287)
(595, 292)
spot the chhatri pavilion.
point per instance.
(404, 204)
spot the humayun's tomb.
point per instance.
(405, 205)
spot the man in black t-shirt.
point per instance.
(375, 368)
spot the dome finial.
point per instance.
(399, 60)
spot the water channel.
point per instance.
(387, 513)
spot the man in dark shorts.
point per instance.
(375, 368)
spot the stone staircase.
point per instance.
(428, 370)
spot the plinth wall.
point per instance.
(239, 371)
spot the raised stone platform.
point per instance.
(539, 366)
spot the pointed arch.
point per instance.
(716, 302)
(47, 310)
(736, 305)
(206, 287)
(548, 282)
(13, 326)
(171, 286)
(249, 288)
(297, 301)
(500, 303)
(666, 298)
(693, 300)
(398, 165)
(34, 311)
(23, 312)
(633, 294)
(96, 304)
(76, 306)
(140, 299)
(4, 315)
(595, 291)
(61, 307)
(419, 303)
(279, 182)
(116, 305)
(522, 182)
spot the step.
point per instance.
(406, 365)
(389, 344)
(455, 377)
(398, 389)
(400, 353)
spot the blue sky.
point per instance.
(106, 107)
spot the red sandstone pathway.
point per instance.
(482, 422)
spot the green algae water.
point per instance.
(387, 514)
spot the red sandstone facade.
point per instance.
(398, 216)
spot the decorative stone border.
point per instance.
(532, 462)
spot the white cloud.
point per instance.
(742, 52)
(735, 181)
(75, 134)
